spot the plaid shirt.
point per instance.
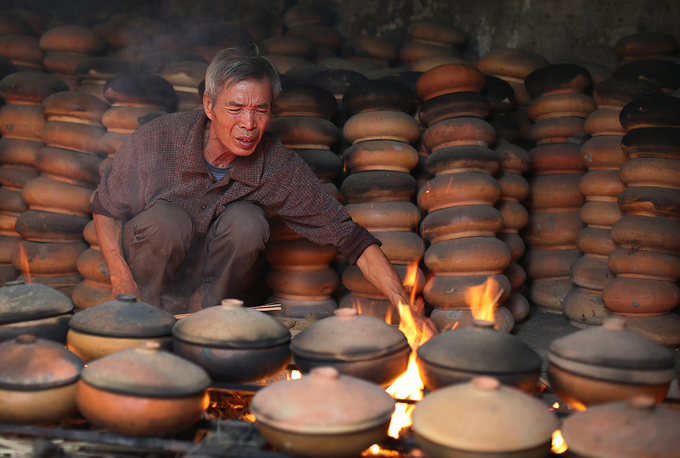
(163, 162)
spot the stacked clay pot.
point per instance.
(185, 77)
(59, 198)
(136, 98)
(96, 285)
(648, 45)
(513, 66)
(379, 188)
(647, 261)
(601, 186)
(377, 50)
(662, 72)
(66, 46)
(461, 222)
(23, 51)
(301, 277)
(93, 73)
(559, 111)
(429, 39)
(514, 161)
(21, 121)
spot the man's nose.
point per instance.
(248, 120)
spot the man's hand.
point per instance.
(110, 237)
(124, 286)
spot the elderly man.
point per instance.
(186, 196)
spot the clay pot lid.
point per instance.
(21, 301)
(558, 78)
(146, 371)
(374, 95)
(664, 73)
(621, 90)
(30, 86)
(322, 402)
(123, 317)
(629, 429)
(484, 416)
(651, 111)
(611, 345)
(29, 363)
(348, 336)
(231, 325)
(480, 349)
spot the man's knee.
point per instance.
(243, 226)
(166, 223)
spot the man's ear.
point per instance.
(207, 105)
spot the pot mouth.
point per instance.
(478, 372)
(613, 374)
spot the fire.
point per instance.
(411, 281)
(558, 444)
(482, 300)
(295, 374)
(375, 449)
(555, 406)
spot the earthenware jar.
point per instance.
(143, 391)
(233, 343)
(32, 308)
(323, 414)
(483, 418)
(629, 429)
(37, 380)
(607, 364)
(357, 345)
(117, 325)
(458, 355)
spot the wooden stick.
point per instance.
(271, 307)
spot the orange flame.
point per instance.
(483, 299)
(295, 374)
(558, 444)
(411, 280)
(555, 406)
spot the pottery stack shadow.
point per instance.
(66, 46)
(21, 121)
(514, 161)
(379, 189)
(301, 277)
(59, 198)
(136, 98)
(559, 111)
(647, 261)
(513, 66)
(461, 222)
(601, 186)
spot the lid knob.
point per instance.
(231, 303)
(614, 323)
(14, 283)
(324, 374)
(150, 346)
(483, 324)
(486, 383)
(642, 403)
(346, 313)
(127, 298)
(26, 339)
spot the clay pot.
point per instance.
(558, 78)
(602, 184)
(583, 307)
(462, 158)
(323, 414)
(607, 364)
(127, 119)
(662, 72)
(32, 308)
(385, 216)
(514, 63)
(30, 87)
(604, 214)
(458, 131)
(591, 272)
(21, 121)
(336, 80)
(401, 247)
(73, 136)
(44, 226)
(604, 122)
(141, 90)
(552, 230)
(117, 325)
(644, 264)
(449, 78)
(380, 155)
(47, 194)
(357, 345)
(596, 241)
(37, 381)
(456, 421)
(568, 129)
(71, 38)
(563, 105)
(433, 31)
(23, 50)
(300, 253)
(143, 392)
(305, 100)
(603, 152)
(305, 131)
(353, 279)
(645, 45)
(514, 186)
(458, 355)
(377, 95)
(461, 221)
(648, 142)
(41, 258)
(448, 292)
(630, 429)
(556, 157)
(468, 255)
(453, 105)
(19, 152)
(651, 111)
(414, 51)
(294, 283)
(464, 188)
(324, 163)
(641, 296)
(381, 125)
(650, 201)
(499, 94)
(378, 186)
(647, 233)
(233, 343)
(651, 172)
(515, 216)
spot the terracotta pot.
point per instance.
(74, 107)
(30, 87)
(601, 183)
(641, 296)
(354, 280)
(453, 105)
(44, 226)
(558, 78)
(513, 186)
(140, 89)
(458, 131)
(594, 240)
(19, 152)
(300, 253)
(648, 142)
(462, 158)
(432, 31)
(23, 50)
(44, 193)
(449, 78)
(514, 243)
(556, 157)
(644, 264)
(305, 100)
(305, 307)
(356, 345)
(127, 119)
(468, 255)
(553, 230)
(366, 46)
(381, 125)
(650, 201)
(645, 45)
(562, 105)
(549, 293)
(379, 308)
(71, 38)
(380, 155)
(520, 426)
(507, 129)
(377, 95)
(512, 157)
(651, 172)
(385, 216)
(324, 414)
(232, 343)
(63, 65)
(591, 271)
(74, 167)
(448, 292)
(458, 355)
(290, 46)
(604, 122)
(605, 214)
(11, 204)
(73, 136)
(117, 325)
(414, 51)
(401, 247)
(651, 111)
(634, 428)
(568, 129)
(461, 221)
(41, 258)
(515, 216)
(324, 163)
(304, 131)
(608, 364)
(143, 392)
(514, 63)
(21, 122)
(88, 294)
(92, 266)
(518, 306)
(603, 152)
(378, 186)
(464, 188)
(583, 307)
(647, 233)
(318, 283)
(37, 381)
(109, 144)
(516, 275)
(27, 303)
(616, 92)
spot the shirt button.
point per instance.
(202, 207)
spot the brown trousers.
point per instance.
(180, 275)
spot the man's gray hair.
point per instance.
(232, 65)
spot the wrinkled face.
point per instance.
(240, 115)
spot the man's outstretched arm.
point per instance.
(110, 236)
